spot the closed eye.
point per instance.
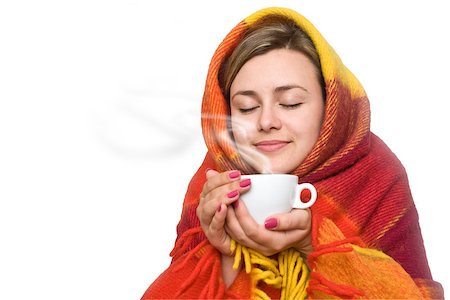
(291, 106)
(247, 110)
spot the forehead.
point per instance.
(275, 68)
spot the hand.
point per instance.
(279, 232)
(219, 191)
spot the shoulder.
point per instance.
(382, 160)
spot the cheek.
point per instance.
(314, 120)
(309, 127)
(318, 122)
(242, 130)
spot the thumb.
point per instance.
(210, 173)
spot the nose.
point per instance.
(268, 119)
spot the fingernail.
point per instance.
(232, 194)
(207, 169)
(245, 183)
(236, 204)
(219, 208)
(234, 174)
(271, 223)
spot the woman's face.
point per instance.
(277, 110)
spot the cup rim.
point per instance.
(270, 174)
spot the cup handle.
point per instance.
(298, 191)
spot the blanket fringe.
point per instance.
(320, 283)
(185, 240)
(289, 273)
(208, 264)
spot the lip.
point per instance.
(271, 145)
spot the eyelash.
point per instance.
(247, 110)
(291, 106)
(287, 106)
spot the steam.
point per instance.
(130, 124)
(252, 156)
(141, 124)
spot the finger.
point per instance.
(222, 189)
(211, 198)
(233, 227)
(248, 235)
(272, 241)
(268, 242)
(217, 234)
(215, 179)
(305, 245)
(218, 220)
(210, 173)
(295, 219)
(293, 229)
(246, 221)
(227, 193)
(208, 207)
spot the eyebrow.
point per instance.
(277, 90)
(289, 87)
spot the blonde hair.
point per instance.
(271, 32)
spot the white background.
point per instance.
(100, 127)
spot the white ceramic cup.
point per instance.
(275, 193)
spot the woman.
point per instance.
(278, 99)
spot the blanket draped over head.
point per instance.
(367, 241)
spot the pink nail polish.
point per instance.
(236, 204)
(234, 174)
(232, 194)
(271, 223)
(245, 183)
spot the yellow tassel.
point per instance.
(289, 273)
(233, 246)
(237, 257)
(247, 260)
